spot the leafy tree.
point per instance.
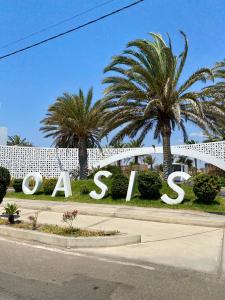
(146, 93)
(16, 140)
(74, 120)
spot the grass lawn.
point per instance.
(189, 202)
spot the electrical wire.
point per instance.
(56, 24)
(71, 30)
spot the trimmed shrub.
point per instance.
(119, 186)
(4, 182)
(115, 170)
(149, 185)
(84, 190)
(206, 187)
(49, 185)
(17, 185)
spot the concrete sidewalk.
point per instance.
(199, 248)
(185, 217)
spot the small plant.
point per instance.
(17, 185)
(33, 220)
(69, 217)
(4, 182)
(11, 210)
(49, 185)
(84, 190)
(119, 186)
(149, 185)
(206, 187)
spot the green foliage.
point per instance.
(115, 170)
(119, 186)
(11, 210)
(4, 182)
(206, 187)
(5, 176)
(145, 93)
(16, 140)
(17, 185)
(222, 181)
(49, 185)
(84, 189)
(149, 185)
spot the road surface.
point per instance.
(31, 271)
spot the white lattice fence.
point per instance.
(22, 160)
(47, 161)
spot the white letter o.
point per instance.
(38, 183)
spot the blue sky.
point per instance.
(31, 81)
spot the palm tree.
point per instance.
(191, 142)
(146, 93)
(135, 144)
(184, 160)
(118, 145)
(74, 121)
(150, 160)
(16, 140)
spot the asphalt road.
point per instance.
(36, 272)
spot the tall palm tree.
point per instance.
(16, 140)
(146, 93)
(75, 119)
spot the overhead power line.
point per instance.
(71, 30)
(56, 24)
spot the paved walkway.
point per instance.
(174, 216)
(199, 248)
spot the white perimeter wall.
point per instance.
(22, 160)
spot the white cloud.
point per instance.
(198, 134)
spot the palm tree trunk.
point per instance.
(196, 166)
(136, 160)
(167, 157)
(83, 158)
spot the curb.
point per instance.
(70, 242)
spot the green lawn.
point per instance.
(189, 202)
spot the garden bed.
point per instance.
(66, 237)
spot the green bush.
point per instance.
(49, 185)
(149, 185)
(222, 181)
(206, 187)
(17, 185)
(119, 186)
(115, 170)
(4, 182)
(84, 190)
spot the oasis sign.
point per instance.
(64, 185)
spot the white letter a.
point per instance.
(63, 185)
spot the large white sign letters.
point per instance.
(175, 187)
(64, 185)
(100, 184)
